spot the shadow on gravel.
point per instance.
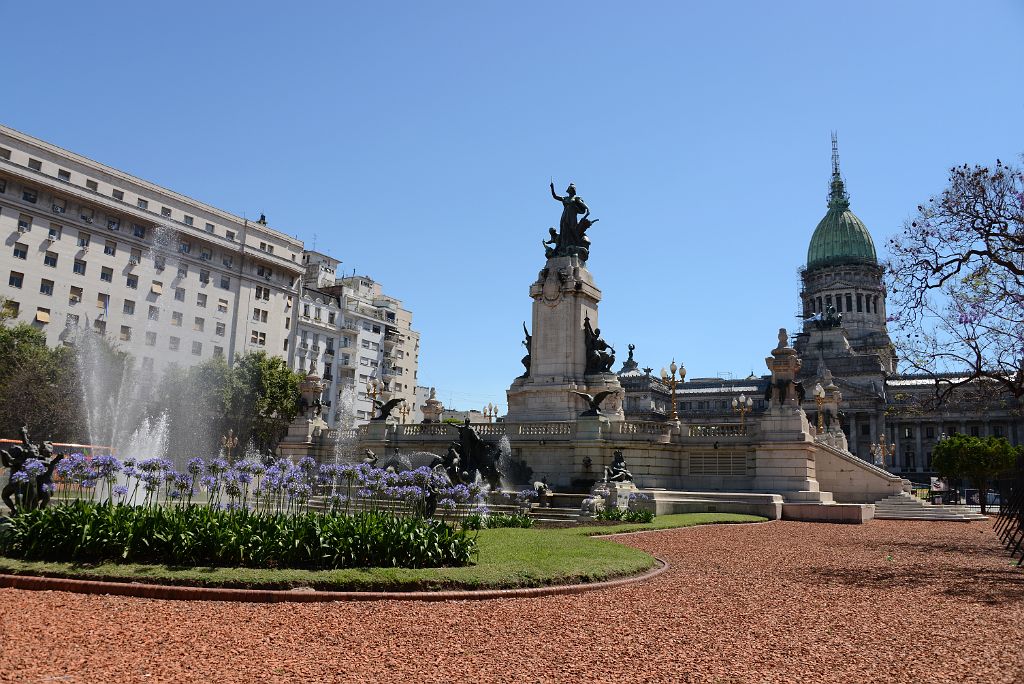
(981, 586)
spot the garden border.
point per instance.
(174, 592)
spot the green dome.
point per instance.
(841, 237)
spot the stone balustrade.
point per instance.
(643, 428)
(425, 429)
(720, 430)
(550, 429)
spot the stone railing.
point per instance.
(337, 435)
(642, 428)
(721, 430)
(544, 429)
(425, 429)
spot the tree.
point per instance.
(263, 399)
(39, 387)
(956, 278)
(976, 459)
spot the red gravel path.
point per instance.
(789, 602)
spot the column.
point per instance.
(854, 430)
(919, 457)
(897, 457)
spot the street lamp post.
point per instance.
(229, 442)
(881, 451)
(404, 411)
(490, 412)
(670, 380)
(819, 399)
(742, 406)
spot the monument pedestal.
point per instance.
(564, 299)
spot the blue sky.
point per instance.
(416, 142)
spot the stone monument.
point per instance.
(308, 431)
(567, 353)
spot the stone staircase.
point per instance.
(905, 506)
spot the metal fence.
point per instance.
(1010, 522)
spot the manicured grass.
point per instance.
(508, 558)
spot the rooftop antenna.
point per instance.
(314, 234)
(835, 155)
(838, 198)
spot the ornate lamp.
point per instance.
(742, 406)
(819, 399)
(669, 378)
(490, 412)
(881, 451)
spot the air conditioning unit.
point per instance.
(50, 239)
(87, 219)
(133, 261)
(57, 209)
(75, 299)
(204, 257)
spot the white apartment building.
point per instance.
(359, 339)
(170, 279)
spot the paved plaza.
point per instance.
(887, 601)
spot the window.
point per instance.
(76, 295)
(3, 185)
(64, 175)
(35, 164)
(259, 315)
(849, 302)
(226, 260)
(83, 239)
(30, 195)
(908, 433)
(154, 313)
(331, 318)
(103, 302)
(79, 267)
(24, 223)
(305, 310)
(59, 205)
(269, 249)
(204, 277)
(135, 257)
(92, 185)
(188, 220)
(100, 326)
(72, 321)
(185, 247)
(221, 329)
(165, 211)
(86, 214)
(131, 282)
(209, 227)
(230, 235)
(197, 348)
(264, 272)
(225, 283)
(107, 274)
(126, 333)
(174, 343)
(975, 431)
(201, 300)
(46, 287)
(150, 339)
(43, 315)
(222, 306)
(129, 308)
(206, 254)
(865, 430)
(147, 363)
(182, 270)
(176, 318)
(55, 231)
(5, 153)
(258, 338)
(16, 279)
(20, 250)
(110, 248)
(263, 293)
(929, 432)
(199, 324)
(114, 223)
(179, 294)
(138, 231)
(143, 204)
(117, 194)
(218, 351)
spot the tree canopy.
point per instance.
(976, 459)
(957, 283)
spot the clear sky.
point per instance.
(415, 142)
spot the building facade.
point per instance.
(844, 333)
(359, 339)
(172, 280)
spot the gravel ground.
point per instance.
(788, 602)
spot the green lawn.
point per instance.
(507, 558)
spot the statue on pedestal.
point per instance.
(571, 239)
(600, 354)
(528, 343)
(616, 472)
(476, 455)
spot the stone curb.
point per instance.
(183, 593)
